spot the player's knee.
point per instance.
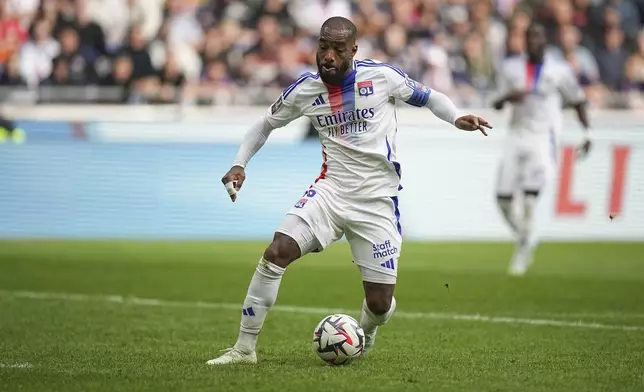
(532, 192)
(282, 251)
(379, 304)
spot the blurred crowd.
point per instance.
(228, 52)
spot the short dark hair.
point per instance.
(341, 23)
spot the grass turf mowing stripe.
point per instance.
(137, 301)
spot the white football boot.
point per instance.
(233, 356)
(521, 259)
(369, 341)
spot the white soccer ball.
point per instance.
(338, 339)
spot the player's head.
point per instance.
(536, 41)
(336, 48)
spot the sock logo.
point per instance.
(389, 264)
(248, 311)
(383, 250)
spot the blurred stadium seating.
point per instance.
(232, 52)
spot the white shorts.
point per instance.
(372, 227)
(528, 163)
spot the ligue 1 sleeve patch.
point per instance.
(277, 105)
(414, 85)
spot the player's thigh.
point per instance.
(539, 168)
(301, 233)
(374, 234)
(509, 171)
(311, 222)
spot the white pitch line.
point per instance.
(15, 365)
(154, 302)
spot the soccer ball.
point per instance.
(338, 339)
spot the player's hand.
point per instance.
(471, 122)
(233, 181)
(498, 104)
(584, 149)
(512, 97)
(516, 96)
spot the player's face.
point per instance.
(334, 57)
(536, 41)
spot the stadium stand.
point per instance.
(231, 52)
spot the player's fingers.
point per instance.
(485, 123)
(238, 182)
(482, 130)
(230, 188)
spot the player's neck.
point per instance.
(535, 59)
(339, 83)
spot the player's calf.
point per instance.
(377, 308)
(505, 203)
(261, 295)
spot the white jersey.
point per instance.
(356, 123)
(549, 85)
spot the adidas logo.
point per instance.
(248, 312)
(318, 101)
(388, 264)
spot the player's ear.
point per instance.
(354, 50)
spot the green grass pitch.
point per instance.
(68, 321)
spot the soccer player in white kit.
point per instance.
(538, 87)
(352, 105)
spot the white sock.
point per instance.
(506, 207)
(370, 322)
(261, 295)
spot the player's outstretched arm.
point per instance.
(254, 139)
(444, 108)
(512, 97)
(573, 93)
(416, 94)
(582, 114)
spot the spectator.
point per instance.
(183, 27)
(398, 50)
(65, 17)
(60, 77)
(635, 73)
(48, 11)
(581, 19)
(172, 81)
(492, 32)
(137, 50)
(92, 38)
(10, 75)
(148, 14)
(480, 61)
(246, 51)
(310, 14)
(579, 57)
(120, 78)
(438, 73)
(216, 86)
(81, 71)
(24, 10)
(612, 60)
(114, 18)
(12, 35)
(38, 53)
